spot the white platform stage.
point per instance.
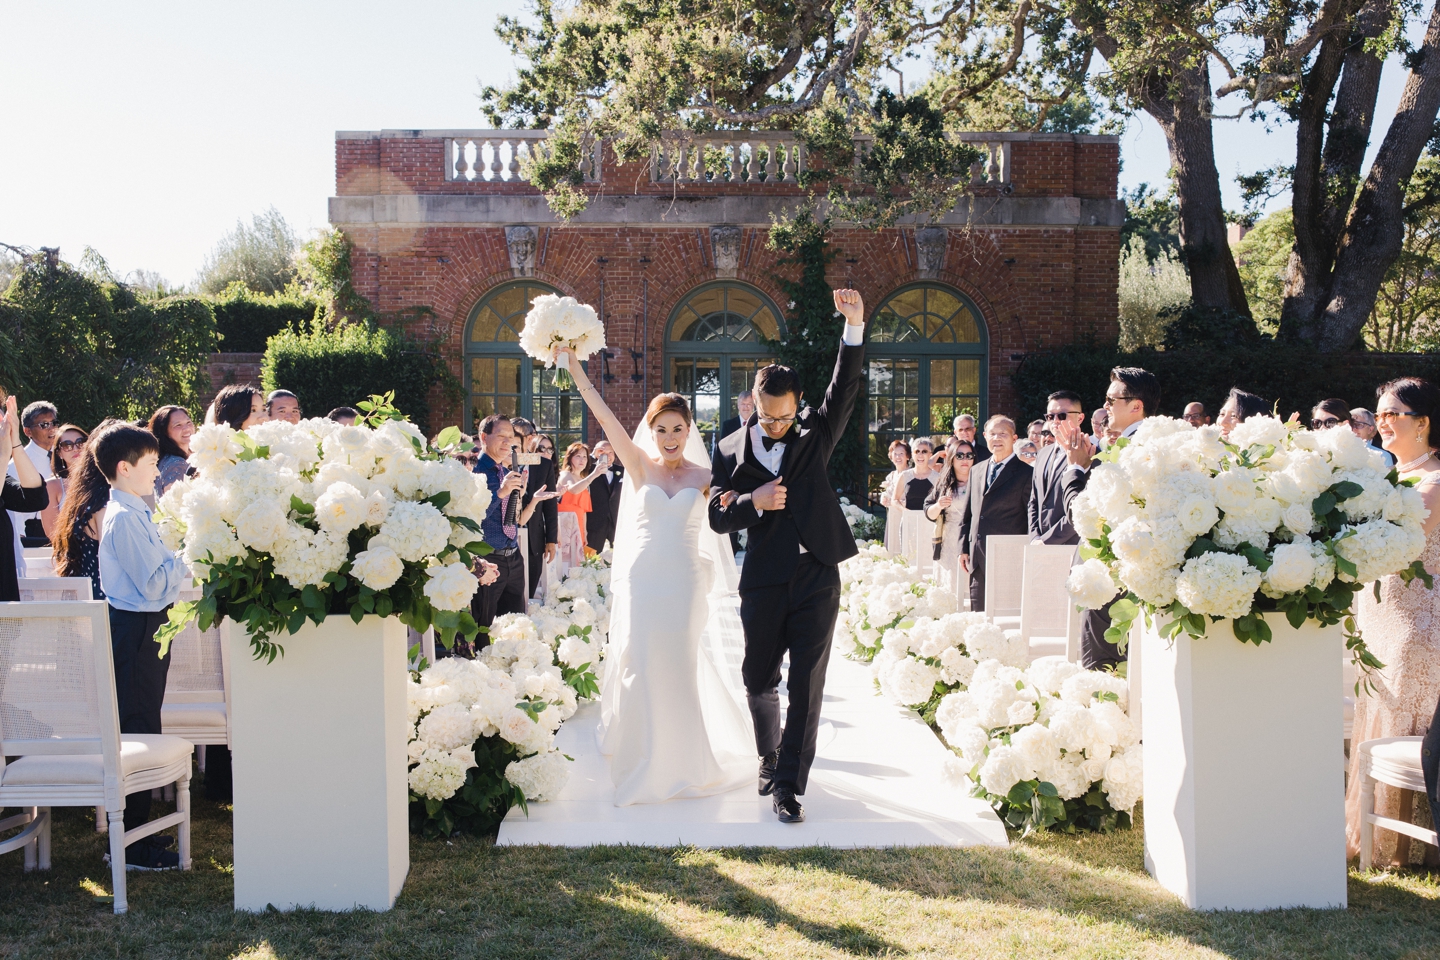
(876, 782)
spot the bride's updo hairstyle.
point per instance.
(668, 403)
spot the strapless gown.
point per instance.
(671, 723)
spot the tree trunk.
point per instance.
(1182, 108)
(1375, 231)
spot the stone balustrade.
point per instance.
(495, 155)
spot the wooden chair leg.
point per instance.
(182, 805)
(1407, 814)
(1367, 825)
(117, 859)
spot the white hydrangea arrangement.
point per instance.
(1052, 745)
(880, 591)
(921, 661)
(288, 522)
(864, 525)
(1276, 518)
(554, 322)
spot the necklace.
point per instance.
(1402, 467)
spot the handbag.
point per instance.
(937, 540)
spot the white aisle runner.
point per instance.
(876, 782)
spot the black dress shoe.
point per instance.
(767, 773)
(786, 806)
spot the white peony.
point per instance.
(1218, 584)
(377, 567)
(340, 509)
(261, 523)
(1090, 585)
(450, 586)
(1292, 568)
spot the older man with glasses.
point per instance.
(1362, 424)
(964, 429)
(41, 423)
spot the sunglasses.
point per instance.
(1064, 416)
(45, 425)
(1111, 401)
(1325, 424)
(1385, 416)
(964, 456)
(71, 444)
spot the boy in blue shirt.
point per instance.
(141, 579)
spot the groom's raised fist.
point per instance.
(851, 305)
(771, 496)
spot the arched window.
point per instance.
(927, 364)
(501, 378)
(713, 346)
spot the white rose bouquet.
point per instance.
(288, 522)
(1050, 746)
(554, 322)
(1198, 527)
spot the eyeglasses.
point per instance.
(1385, 416)
(1064, 416)
(46, 425)
(1325, 424)
(964, 456)
(71, 444)
(1111, 401)
(770, 421)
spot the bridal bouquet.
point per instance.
(288, 522)
(554, 322)
(1196, 526)
(1052, 745)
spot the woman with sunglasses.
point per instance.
(77, 529)
(64, 459)
(890, 494)
(1402, 627)
(1329, 414)
(914, 486)
(943, 507)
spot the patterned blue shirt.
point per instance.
(492, 528)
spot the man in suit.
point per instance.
(544, 525)
(996, 504)
(1133, 395)
(604, 498)
(1048, 521)
(790, 583)
(745, 404)
(963, 427)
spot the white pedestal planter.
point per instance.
(1244, 767)
(318, 743)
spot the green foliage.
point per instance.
(84, 341)
(812, 330)
(325, 272)
(1154, 218)
(1407, 307)
(336, 366)
(261, 256)
(477, 807)
(1292, 376)
(1263, 257)
(1151, 291)
(245, 320)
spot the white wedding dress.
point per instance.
(674, 721)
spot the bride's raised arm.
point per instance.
(635, 460)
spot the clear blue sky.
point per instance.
(146, 130)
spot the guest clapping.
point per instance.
(23, 493)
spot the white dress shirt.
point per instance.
(41, 458)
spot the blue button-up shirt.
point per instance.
(137, 571)
(492, 528)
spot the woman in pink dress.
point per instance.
(1403, 628)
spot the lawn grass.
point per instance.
(1047, 896)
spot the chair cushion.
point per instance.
(1401, 752)
(138, 752)
(192, 716)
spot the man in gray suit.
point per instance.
(995, 502)
(1049, 522)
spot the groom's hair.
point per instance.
(776, 380)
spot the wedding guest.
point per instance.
(996, 505)
(81, 519)
(575, 504)
(744, 410)
(1238, 407)
(1047, 437)
(1025, 450)
(173, 429)
(40, 422)
(508, 592)
(1195, 414)
(23, 494)
(1046, 519)
(543, 526)
(1035, 433)
(963, 428)
(943, 506)
(914, 486)
(890, 495)
(1402, 626)
(345, 416)
(141, 579)
(1098, 420)
(64, 456)
(237, 406)
(1330, 413)
(604, 497)
(283, 405)
(1362, 422)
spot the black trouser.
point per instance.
(139, 686)
(1097, 653)
(536, 544)
(977, 580)
(505, 595)
(1430, 763)
(796, 617)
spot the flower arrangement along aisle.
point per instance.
(878, 592)
(554, 322)
(1276, 518)
(288, 522)
(864, 525)
(1051, 746)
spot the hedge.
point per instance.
(245, 319)
(337, 367)
(1295, 377)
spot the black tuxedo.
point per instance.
(604, 508)
(1000, 511)
(544, 525)
(789, 600)
(1048, 520)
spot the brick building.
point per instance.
(676, 262)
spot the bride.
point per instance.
(673, 719)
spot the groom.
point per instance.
(790, 582)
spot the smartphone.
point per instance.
(529, 459)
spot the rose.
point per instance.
(450, 587)
(1292, 568)
(377, 568)
(340, 509)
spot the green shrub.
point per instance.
(246, 319)
(328, 367)
(1293, 376)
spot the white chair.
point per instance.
(197, 687)
(1044, 603)
(1394, 761)
(58, 717)
(1004, 576)
(39, 562)
(1074, 618)
(56, 589)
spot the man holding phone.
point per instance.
(507, 594)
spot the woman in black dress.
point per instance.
(77, 530)
(24, 495)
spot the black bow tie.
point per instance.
(770, 441)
